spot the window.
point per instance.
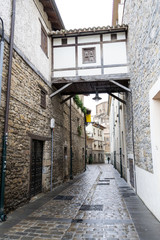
(64, 41)
(44, 44)
(43, 99)
(89, 55)
(113, 36)
(43, 94)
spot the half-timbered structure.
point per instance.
(90, 60)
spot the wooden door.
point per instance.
(36, 168)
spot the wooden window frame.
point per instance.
(84, 50)
(43, 103)
(44, 44)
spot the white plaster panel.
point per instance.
(5, 13)
(121, 36)
(28, 35)
(64, 57)
(89, 39)
(106, 37)
(114, 53)
(57, 41)
(80, 58)
(89, 72)
(115, 70)
(71, 40)
(64, 74)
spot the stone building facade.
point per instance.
(143, 52)
(29, 132)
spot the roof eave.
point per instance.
(53, 14)
(90, 31)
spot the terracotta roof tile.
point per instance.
(89, 30)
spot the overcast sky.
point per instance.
(84, 14)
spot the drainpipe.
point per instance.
(71, 176)
(85, 141)
(135, 182)
(52, 126)
(5, 136)
(114, 141)
(120, 148)
(1, 56)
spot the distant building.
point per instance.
(95, 133)
(102, 118)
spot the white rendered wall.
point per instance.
(89, 72)
(64, 57)
(5, 14)
(115, 53)
(148, 184)
(115, 70)
(88, 39)
(27, 35)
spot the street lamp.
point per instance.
(97, 98)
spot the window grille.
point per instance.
(89, 55)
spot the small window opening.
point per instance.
(113, 36)
(64, 41)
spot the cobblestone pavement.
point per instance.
(92, 208)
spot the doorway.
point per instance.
(36, 167)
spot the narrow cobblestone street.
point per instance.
(91, 208)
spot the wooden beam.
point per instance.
(120, 85)
(93, 78)
(60, 90)
(119, 99)
(66, 99)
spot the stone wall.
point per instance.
(143, 55)
(27, 121)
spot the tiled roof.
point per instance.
(90, 30)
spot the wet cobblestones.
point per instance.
(91, 208)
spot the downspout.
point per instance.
(114, 140)
(1, 56)
(71, 176)
(5, 136)
(135, 182)
(120, 147)
(85, 151)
